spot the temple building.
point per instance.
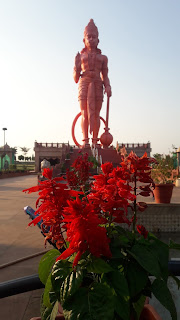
(55, 153)
(7, 156)
(62, 154)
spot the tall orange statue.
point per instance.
(91, 71)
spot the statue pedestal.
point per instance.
(109, 155)
(102, 154)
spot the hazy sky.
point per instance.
(38, 96)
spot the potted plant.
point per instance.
(103, 260)
(162, 174)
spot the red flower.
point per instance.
(47, 173)
(72, 178)
(141, 206)
(107, 167)
(79, 173)
(85, 220)
(84, 231)
(142, 230)
(52, 199)
(111, 195)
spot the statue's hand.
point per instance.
(78, 62)
(108, 91)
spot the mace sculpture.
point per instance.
(91, 71)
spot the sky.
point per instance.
(38, 96)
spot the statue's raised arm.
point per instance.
(77, 67)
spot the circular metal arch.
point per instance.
(73, 128)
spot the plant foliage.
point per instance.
(105, 259)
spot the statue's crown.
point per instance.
(91, 27)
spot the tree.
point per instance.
(15, 150)
(27, 158)
(162, 170)
(25, 150)
(21, 157)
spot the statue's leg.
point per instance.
(84, 120)
(97, 121)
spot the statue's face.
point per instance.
(91, 40)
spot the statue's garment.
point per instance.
(91, 66)
(91, 84)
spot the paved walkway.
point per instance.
(17, 241)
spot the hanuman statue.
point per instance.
(91, 70)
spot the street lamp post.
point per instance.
(178, 152)
(3, 155)
(4, 129)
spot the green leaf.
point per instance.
(64, 290)
(174, 245)
(44, 310)
(162, 293)
(151, 236)
(146, 257)
(99, 266)
(46, 264)
(115, 247)
(176, 280)
(52, 297)
(46, 313)
(122, 231)
(75, 280)
(118, 282)
(139, 305)
(122, 307)
(54, 311)
(116, 264)
(48, 288)
(95, 303)
(70, 285)
(61, 270)
(137, 278)
(162, 252)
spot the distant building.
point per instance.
(55, 153)
(7, 156)
(138, 148)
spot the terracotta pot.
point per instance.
(148, 313)
(163, 192)
(60, 317)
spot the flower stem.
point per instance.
(134, 205)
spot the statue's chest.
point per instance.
(91, 61)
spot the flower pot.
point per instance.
(178, 182)
(149, 313)
(163, 192)
(60, 317)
